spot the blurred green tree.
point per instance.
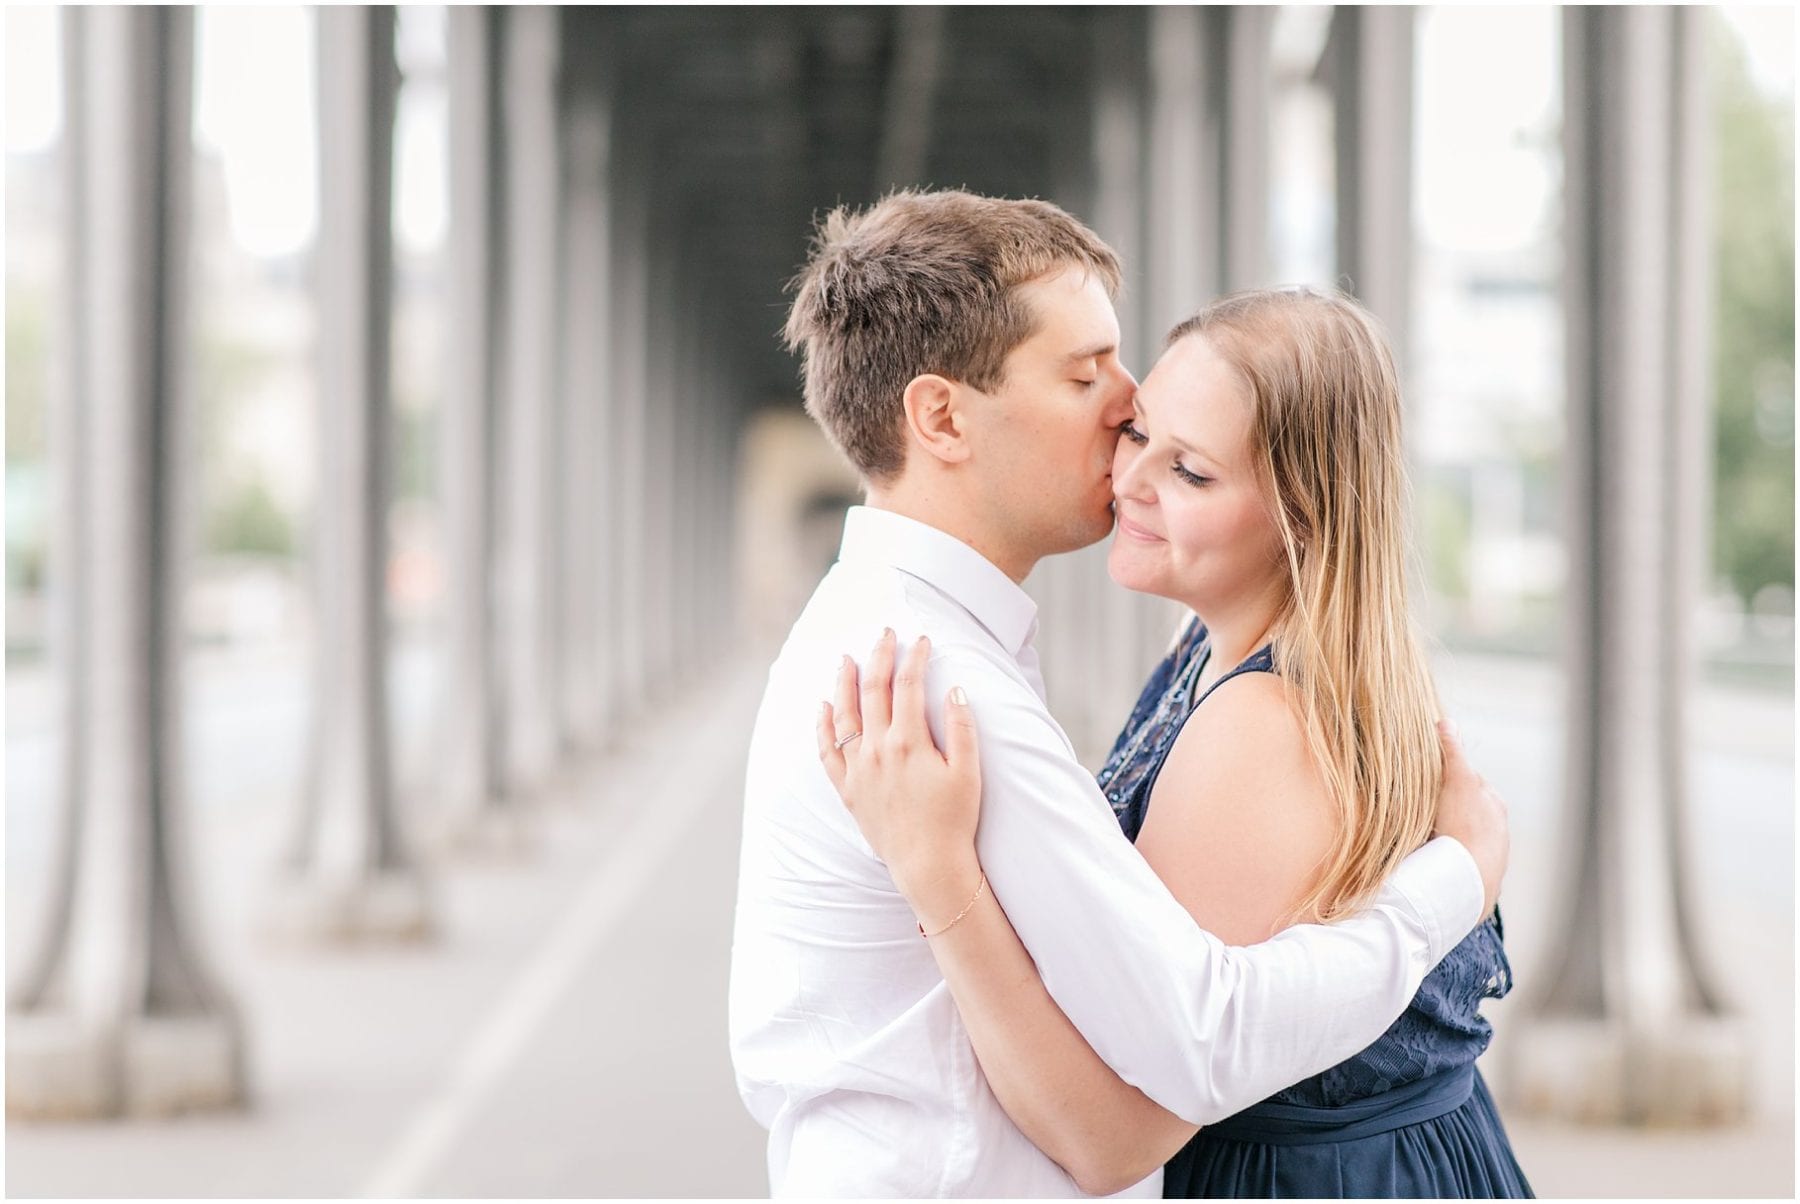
(27, 363)
(238, 514)
(1753, 346)
(27, 370)
(248, 520)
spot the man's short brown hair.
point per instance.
(921, 282)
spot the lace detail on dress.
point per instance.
(1163, 706)
(1442, 1028)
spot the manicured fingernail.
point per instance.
(958, 697)
(887, 633)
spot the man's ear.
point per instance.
(935, 418)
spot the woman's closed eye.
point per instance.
(1189, 477)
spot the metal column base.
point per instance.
(60, 1067)
(491, 833)
(390, 906)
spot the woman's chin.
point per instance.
(1124, 573)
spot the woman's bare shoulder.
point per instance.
(1248, 724)
(1240, 818)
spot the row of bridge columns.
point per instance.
(589, 443)
(588, 446)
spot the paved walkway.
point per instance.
(565, 1038)
(567, 1035)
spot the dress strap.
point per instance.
(1260, 661)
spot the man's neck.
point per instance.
(954, 518)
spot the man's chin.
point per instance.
(1098, 529)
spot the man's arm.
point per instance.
(1202, 1029)
(921, 813)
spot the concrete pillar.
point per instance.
(1622, 1024)
(659, 496)
(720, 588)
(1182, 187)
(630, 253)
(901, 156)
(117, 1012)
(1207, 168)
(478, 807)
(530, 529)
(674, 419)
(588, 532)
(347, 869)
(1368, 64)
(702, 579)
(688, 410)
(1244, 77)
(715, 580)
(702, 576)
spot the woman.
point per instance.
(1282, 758)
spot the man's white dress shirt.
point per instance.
(847, 1045)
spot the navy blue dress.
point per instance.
(1408, 1117)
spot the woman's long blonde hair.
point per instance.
(1326, 410)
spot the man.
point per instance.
(963, 353)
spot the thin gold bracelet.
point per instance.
(979, 887)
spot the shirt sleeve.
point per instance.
(1202, 1028)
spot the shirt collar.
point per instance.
(941, 560)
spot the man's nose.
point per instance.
(1123, 392)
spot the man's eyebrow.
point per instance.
(1091, 353)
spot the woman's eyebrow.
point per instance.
(1185, 446)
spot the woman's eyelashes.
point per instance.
(1187, 476)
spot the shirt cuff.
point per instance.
(1442, 884)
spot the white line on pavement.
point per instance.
(653, 836)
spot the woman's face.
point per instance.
(1193, 521)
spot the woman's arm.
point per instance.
(1103, 1131)
(1317, 995)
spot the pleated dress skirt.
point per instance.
(1439, 1138)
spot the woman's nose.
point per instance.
(1128, 479)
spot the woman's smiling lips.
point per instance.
(1133, 531)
